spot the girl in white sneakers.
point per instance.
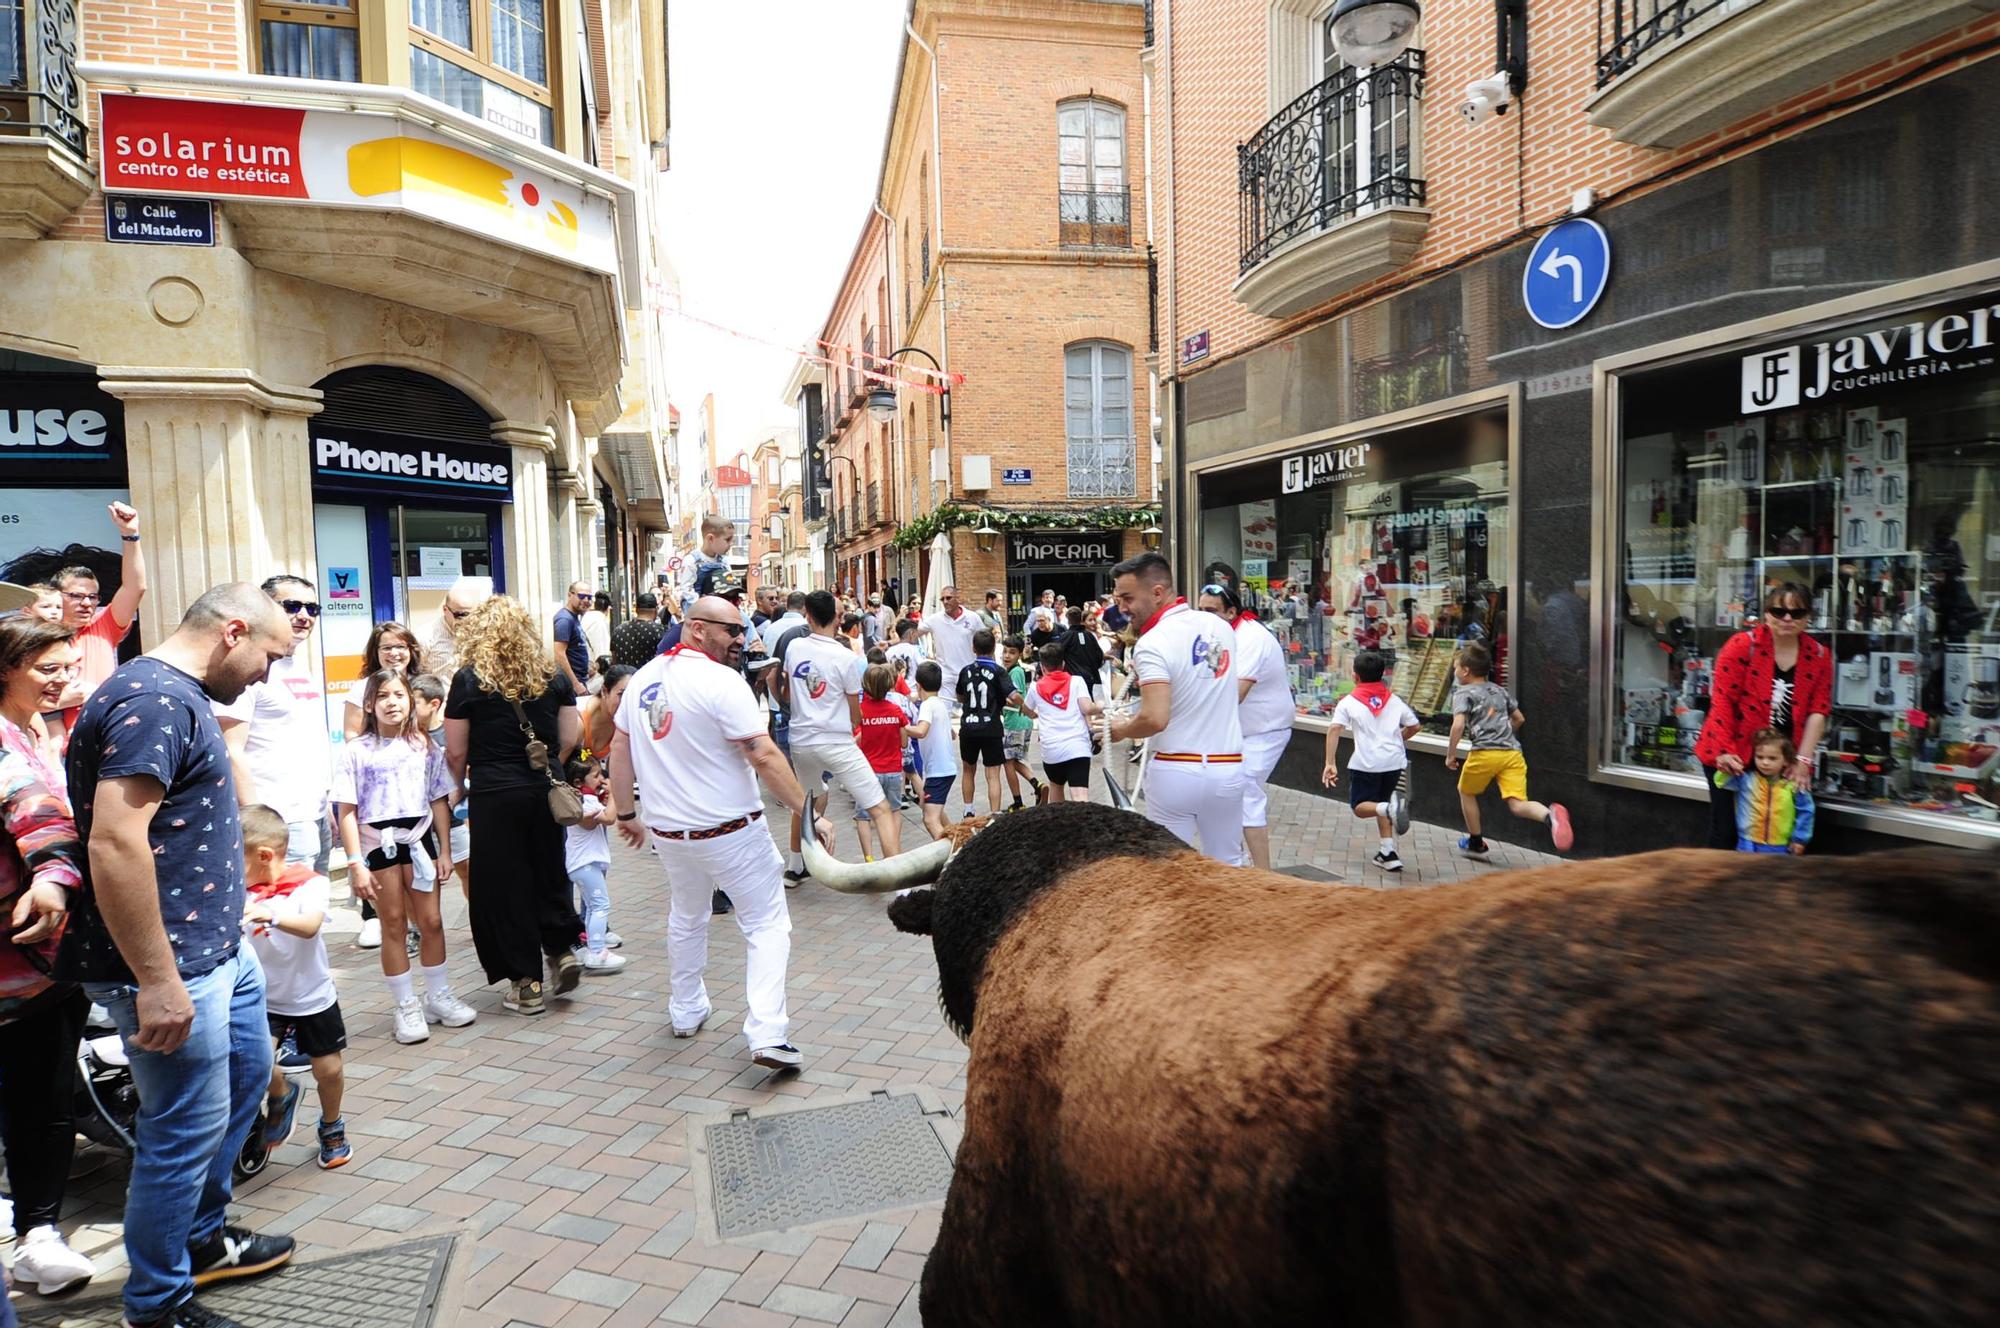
(390, 796)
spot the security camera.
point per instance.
(1489, 96)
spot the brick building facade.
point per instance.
(1009, 250)
(1403, 434)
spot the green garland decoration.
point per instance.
(955, 516)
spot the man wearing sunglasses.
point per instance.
(100, 627)
(572, 648)
(692, 739)
(441, 650)
(276, 732)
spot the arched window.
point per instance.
(1096, 204)
(1097, 421)
(924, 218)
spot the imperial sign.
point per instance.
(174, 145)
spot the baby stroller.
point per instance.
(106, 1105)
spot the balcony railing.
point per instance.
(875, 513)
(39, 91)
(1318, 163)
(1627, 29)
(1096, 218)
(1103, 468)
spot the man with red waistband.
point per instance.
(695, 741)
(1187, 704)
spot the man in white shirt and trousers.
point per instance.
(1264, 710)
(695, 741)
(1187, 703)
(950, 630)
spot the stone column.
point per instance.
(528, 534)
(221, 473)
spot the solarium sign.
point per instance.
(1930, 347)
(207, 149)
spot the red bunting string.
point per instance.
(853, 356)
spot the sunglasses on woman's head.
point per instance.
(295, 607)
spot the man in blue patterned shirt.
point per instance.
(154, 937)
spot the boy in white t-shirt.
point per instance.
(936, 752)
(283, 912)
(1382, 726)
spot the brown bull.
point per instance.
(1685, 1088)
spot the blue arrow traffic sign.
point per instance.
(1567, 272)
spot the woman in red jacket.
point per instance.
(1772, 676)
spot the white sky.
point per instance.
(779, 107)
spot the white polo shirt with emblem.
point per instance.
(684, 715)
(952, 638)
(1192, 651)
(1268, 707)
(821, 674)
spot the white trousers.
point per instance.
(746, 865)
(1260, 757)
(1193, 800)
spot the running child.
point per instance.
(1484, 711)
(390, 791)
(587, 857)
(1059, 701)
(284, 912)
(881, 739)
(1017, 726)
(934, 749)
(1773, 815)
(1382, 726)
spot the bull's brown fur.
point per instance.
(1685, 1088)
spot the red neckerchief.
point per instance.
(1147, 626)
(291, 878)
(681, 649)
(1374, 695)
(1243, 616)
(1054, 688)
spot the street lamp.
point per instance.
(1152, 534)
(985, 534)
(1373, 32)
(882, 397)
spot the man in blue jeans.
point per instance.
(154, 934)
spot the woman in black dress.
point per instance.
(520, 898)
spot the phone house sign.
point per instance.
(354, 459)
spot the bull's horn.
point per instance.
(916, 867)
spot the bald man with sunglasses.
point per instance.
(693, 740)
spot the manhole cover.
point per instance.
(793, 1168)
(397, 1286)
(1305, 873)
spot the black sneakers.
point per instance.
(1387, 860)
(783, 1056)
(718, 904)
(794, 878)
(189, 1314)
(235, 1252)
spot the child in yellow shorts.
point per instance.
(1483, 711)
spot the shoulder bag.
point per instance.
(565, 802)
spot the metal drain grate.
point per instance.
(794, 1168)
(397, 1286)
(1307, 873)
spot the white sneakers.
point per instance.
(445, 1008)
(371, 934)
(45, 1261)
(410, 1025)
(602, 961)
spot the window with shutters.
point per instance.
(310, 39)
(1095, 203)
(1097, 410)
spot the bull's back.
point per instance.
(1680, 1088)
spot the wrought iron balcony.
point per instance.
(1309, 169)
(1103, 468)
(39, 91)
(1671, 71)
(1633, 27)
(1096, 218)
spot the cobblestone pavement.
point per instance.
(560, 1145)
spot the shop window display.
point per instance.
(1883, 496)
(1400, 542)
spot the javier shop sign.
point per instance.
(175, 145)
(383, 463)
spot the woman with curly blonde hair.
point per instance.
(521, 909)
